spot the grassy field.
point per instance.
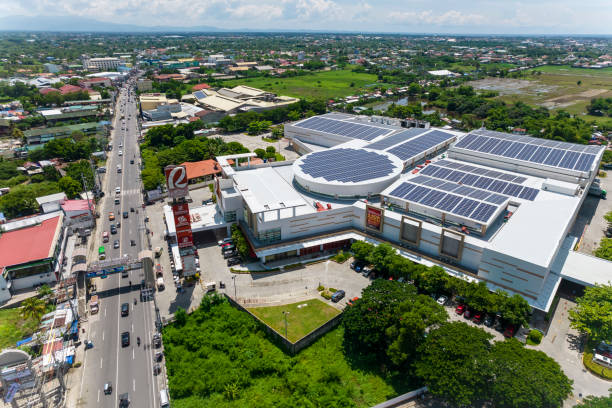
(326, 84)
(555, 87)
(13, 327)
(303, 317)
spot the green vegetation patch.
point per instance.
(303, 317)
(595, 368)
(13, 327)
(324, 84)
(220, 357)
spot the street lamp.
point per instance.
(285, 314)
(234, 279)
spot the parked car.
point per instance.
(125, 339)
(233, 261)
(366, 272)
(510, 331)
(113, 229)
(229, 254)
(442, 300)
(468, 313)
(337, 296)
(401, 279)
(478, 316)
(460, 309)
(357, 266)
(228, 248)
(116, 244)
(125, 309)
(489, 320)
(224, 240)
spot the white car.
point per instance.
(120, 153)
(442, 300)
(117, 190)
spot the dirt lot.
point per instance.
(257, 142)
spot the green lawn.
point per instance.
(303, 317)
(566, 69)
(325, 84)
(13, 327)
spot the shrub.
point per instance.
(333, 290)
(341, 257)
(326, 294)
(535, 337)
(320, 288)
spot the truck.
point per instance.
(210, 286)
(597, 191)
(93, 304)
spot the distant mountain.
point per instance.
(81, 24)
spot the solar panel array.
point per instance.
(542, 151)
(396, 139)
(444, 201)
(347, 165)
(421, 144)
(199, 95)
(479, 170)
(479, 178)
(343, 128)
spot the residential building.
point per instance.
(38, 137)
(99, 64)
(151, 101)
(144, 84)
(204, 170)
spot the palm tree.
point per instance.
(44, 290)
(33, 308)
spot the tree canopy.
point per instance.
(593, 313)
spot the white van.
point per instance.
(163, 399)
(160, 284)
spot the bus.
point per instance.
(101, 253)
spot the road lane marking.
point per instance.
(101, 362)
(104, 312)
(102, 336)
(133, 354)
(98, 395)
(134, 384)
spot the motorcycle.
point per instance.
(138, 341)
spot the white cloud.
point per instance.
(451, 17)
(261, 11)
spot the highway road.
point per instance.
(129, 369)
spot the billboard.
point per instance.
(176, 179)
(374, 218)
(181, 216)
(184, 238)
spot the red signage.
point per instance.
(176, 179)
(181, 216)
(374, 218)
(184, 238)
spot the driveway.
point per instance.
(270, 288)
(564, 344)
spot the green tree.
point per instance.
(44, 291)
(453, 362)
(361, 250)
(70, 186)
(18, 202)
(366, 323)
(604, 250)
(417, 314)
(33, 308)
(261, 153)
(596, 402)
(526, 378)
(515, 310)
(278, 132)
(433, 280)
(593, 313)
(50, 173)
(180, 317)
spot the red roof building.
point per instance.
(30, 244)
(201, 170)
(66, 89)
(199, 87)
(45, 91)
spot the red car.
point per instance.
(478, 316)
(460, 309)
(510, 331)
(352, 301)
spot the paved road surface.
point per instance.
(130, 369)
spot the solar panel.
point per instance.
(401, 190)
(421, 179)
(448, 203)
(432, 198)
(496, 199)
(199, 95)
(484, 182)
(346, 165)
(417, 193)
(343, 128)
(470, 179)
(396, 139)
(429, 170)
(420, 144)
(528, 193)
(535, 150)
(483, 212)
(465, 207)
(479, 194)
(498, 186)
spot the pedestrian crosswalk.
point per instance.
(131, 191)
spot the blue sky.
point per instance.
(412, 16)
